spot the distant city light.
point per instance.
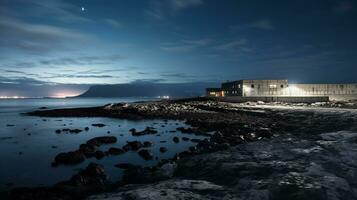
(12, 97)
(164, 97)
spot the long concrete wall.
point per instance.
(306, 99)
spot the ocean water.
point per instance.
(29, 146)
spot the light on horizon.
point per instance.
(12, 97)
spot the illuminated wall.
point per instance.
(258, 88)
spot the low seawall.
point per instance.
(312, 99)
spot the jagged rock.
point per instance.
(147, 144)
(75, 131)
(125, 165)
(102, 140)
(163, 149)
(170, 190)
(133, 145)
(146, 131)
(176, 139)
(88, 149)
(99, 154)
(70, 158)
(115, 151)
(98, 125)
(144, 153)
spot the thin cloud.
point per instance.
(163, 9)
(114, 23)
(35, 37)
(186, 45)
(232, 45)
(343, 7)
(264, 24)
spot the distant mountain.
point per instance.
(148, 89)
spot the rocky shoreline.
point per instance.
(253, 151)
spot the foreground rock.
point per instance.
(169, 190)
(88, 181)
(87, 150)
(252, 150)
(322, 166)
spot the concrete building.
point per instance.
(282, 88)
(214, 92)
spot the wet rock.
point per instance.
(70, 158)
(58, 131)
(124, 165)
(6, 138)
(146, 131)
(102, 140)
(185, 138)
(88, 149)
(133, 145)
(90, 180)
(86, 128)
(185, 130)
(163, 149)
(98, 125)
(75, 131)
(10, 125)
(264, 132)
(115, 151)
(195, 140)
(54, 147)
(163, 141)
(145, 154)
(99, 154)
(147, 144)
(176, 139)
(169, 190)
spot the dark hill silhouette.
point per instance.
(148, 89)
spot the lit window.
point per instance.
(272, 86)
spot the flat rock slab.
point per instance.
(169, 190)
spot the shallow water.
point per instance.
(28, 148)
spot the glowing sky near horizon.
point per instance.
(52, 45)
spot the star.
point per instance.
(83, 9)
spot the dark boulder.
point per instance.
(163, 149)
(115, 151)
(99, 154)
(147, 144)
(134, 146)
(88, 149)
(146, 131)
(145, 154)
(124, 165)
(98, 125)
(75, 131)
(70, 158)
(176, 139)
(102, 140)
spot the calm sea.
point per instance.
(29, 144)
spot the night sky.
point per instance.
(60, 48)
